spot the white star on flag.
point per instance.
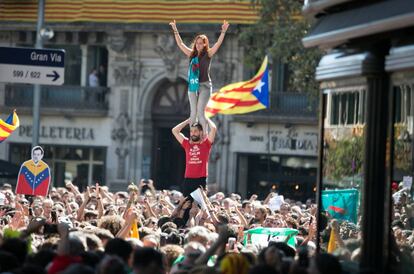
(259, 86)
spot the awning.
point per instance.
(336, 28)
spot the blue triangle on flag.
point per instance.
(9, 119)
(262, 90)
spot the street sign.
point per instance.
(32, 66)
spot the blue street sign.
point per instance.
(32, 66)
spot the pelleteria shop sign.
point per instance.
(59, 132)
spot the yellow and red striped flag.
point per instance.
(8, 126)
(242, 97)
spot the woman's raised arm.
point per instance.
(180, 43)
(220, 40)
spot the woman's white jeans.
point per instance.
(198, 102)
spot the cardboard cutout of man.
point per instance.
(34, 175)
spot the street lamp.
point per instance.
(46, 33)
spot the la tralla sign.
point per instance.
(276, 139)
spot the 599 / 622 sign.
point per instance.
(32, 66)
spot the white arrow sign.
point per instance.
(32, 66)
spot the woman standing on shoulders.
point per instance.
(199, 81)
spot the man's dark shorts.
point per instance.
(191, 184)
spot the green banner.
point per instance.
(263, 235)
(341, 204)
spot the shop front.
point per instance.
(75, 149)
(275, 157)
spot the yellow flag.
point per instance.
(134, 231)
(332, 242)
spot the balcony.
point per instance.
(286, 107)
(70, 100)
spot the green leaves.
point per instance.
(279, 31)
(344, 158)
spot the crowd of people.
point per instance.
(144, 230)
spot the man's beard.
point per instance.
(195, 138)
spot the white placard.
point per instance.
(275, 202)
(198, 197)
(407, 182)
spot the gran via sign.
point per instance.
(32, 66)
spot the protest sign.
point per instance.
(34, 175)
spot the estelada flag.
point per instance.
(33, 179)
(242, 97)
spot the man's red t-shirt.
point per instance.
(196, 158)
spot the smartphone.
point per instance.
(231, 242)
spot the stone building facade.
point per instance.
(121, 131)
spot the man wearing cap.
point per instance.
(197, 151)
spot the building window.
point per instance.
(97, 63)
(403, 103)
(345, 108)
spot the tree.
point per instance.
(279, 31)
(344, 158)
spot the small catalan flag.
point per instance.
(7, 127)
